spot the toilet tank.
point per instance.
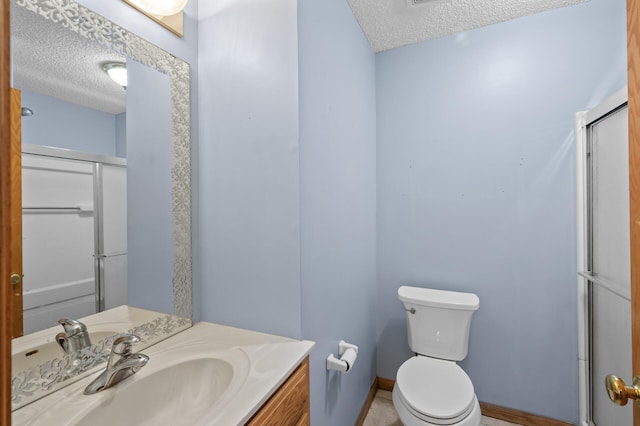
(438, 321)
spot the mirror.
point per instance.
(73, 130)
(162, 287)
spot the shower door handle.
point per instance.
(619, 393)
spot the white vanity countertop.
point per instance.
(260, 363)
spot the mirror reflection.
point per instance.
(74, 199)
(105, 180)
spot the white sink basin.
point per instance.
(197, 384)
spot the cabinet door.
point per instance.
(289, 406)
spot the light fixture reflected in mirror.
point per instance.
(117, 71)
(167, 13)
(163, 7)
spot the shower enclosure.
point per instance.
(74, 234)
(604, 292)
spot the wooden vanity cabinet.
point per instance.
(289, 406)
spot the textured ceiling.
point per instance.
(54, 61)
(51, 60)
(393, 23)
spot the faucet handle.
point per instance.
(123, 345)
(72, 327)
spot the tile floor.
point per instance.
(382, 413)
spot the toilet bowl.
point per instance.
(431, 391)
(430, 388)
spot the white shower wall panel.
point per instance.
(58, 241)
(114, 235)
(42, 317)
(74, 234)
(114, 207)
(115, 281)
(56, 182)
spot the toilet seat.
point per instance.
(434, 390)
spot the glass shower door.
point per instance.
(609, 262)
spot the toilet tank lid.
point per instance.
(438, 298)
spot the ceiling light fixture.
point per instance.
(163, 7)
(167, 13)
(117, 71)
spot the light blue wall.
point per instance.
(248, 162)
(149, 200)
(338, 207)
(121, 135)
(257, 189)
(456, 127)
(186, 48)
(476, 191)
(67, 125)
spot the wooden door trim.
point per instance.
(5, 218)
(15, 194)
(633, 63)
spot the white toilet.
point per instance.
(431, 389)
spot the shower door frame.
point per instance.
(633, 66)
(584, 159)
(5, 218)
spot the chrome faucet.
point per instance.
(122, 363)
(74, 338)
